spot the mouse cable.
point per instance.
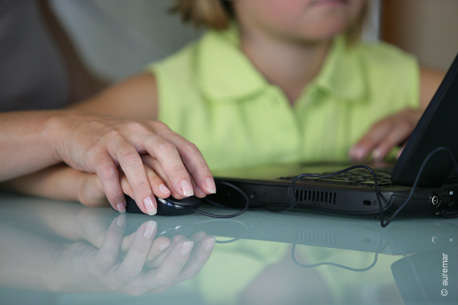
(383, 223)
(245, 208)
(414, 186)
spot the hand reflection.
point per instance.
(135, 264)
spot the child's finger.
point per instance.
(397, 135)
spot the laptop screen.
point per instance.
(437, 127)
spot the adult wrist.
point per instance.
(57, 132)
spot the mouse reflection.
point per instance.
(94, 257)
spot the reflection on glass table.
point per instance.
(63, 253)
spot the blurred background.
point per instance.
(117, 38)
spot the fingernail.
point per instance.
(352, 153)
(149, 229)
(121, 208)
(377, 154)
(164, 246)
(121, 220)
(164, 189)
(186, 248)
(358, 153)
(149, 206)
(187, 188)
(209, 244)
(210, 185)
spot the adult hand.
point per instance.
(112, 268)
(386, 134)
(107, 145)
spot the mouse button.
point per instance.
(165, 202)
(189, 202)
(172, 210)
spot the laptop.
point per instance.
(427, 165)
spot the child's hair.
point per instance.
(210, 14)
(218, 15)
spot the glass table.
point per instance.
(64, 253)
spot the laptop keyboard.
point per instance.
(356, 178)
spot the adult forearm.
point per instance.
(27, 143)
(107, 146)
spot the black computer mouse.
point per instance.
(169, 206)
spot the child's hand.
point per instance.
(385, 135)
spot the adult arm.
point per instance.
(103, 145)
(99, 144)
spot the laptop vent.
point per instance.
(315, 197)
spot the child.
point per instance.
(272, 81)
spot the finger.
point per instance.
(157, 184)
(134, 170)
(397, 135)
(369, 141)
(194, 161)
(127, 242)
(170, 160)
(159, 259)
(197, 190)
(167, 272)
(199, 256)
(160, 244)
(135, 259)
(157, 168)
(91, 192)
(91, 227)
(108, 174)
(126, 188)
(108, 253)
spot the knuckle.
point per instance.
(95, 151)
(404, 126)
(136, 126)
(142, 186)
(113, 134)
(106, 260)
(165, 148)
(190, 148)
(158, 125)
(130, 157)
(108, 173)
(115, 196)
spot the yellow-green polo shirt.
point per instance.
(210, 93)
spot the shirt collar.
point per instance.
(342, 73)
(226, 73)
